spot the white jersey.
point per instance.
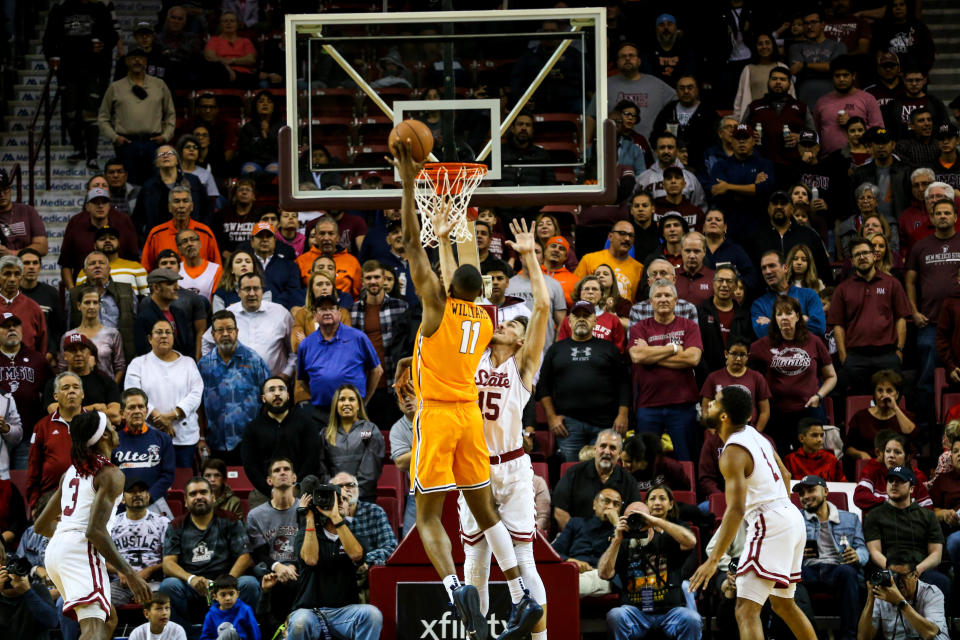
(77, 494)
(502, 397)
(765, 484)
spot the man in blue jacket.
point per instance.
(282, 275)
(741, 183)
(144, 453)
(835, 564)
(775, 271)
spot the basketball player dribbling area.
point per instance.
(757, 492)
(449, 450)
(80, 544)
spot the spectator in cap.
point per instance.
(666, 149)
(917, 145)
(144, 454)
(163, 292)
(833, 109)
(776, 109)
(164, 236)
(674, 185)
(554, 257)
(111, 359)
(741, 183)
(23, 374)
(894, 182)
(830, 174)
(889, 84)
(20, 224)
(100, 391)
(131, 272)
(145, 36)
(669, 57)
(281, 276)
(79, 238)
(13, 301)
(137, 114)
(810, 59)
(947, 168)
(138, 532)
(834, 568)
(688, 117)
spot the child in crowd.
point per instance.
(158, 625)
(229, 617)
(811, 459)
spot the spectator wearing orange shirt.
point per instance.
(164, 236)
(554, 258)
(323, 239)
(628, 271)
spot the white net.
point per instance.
(449, 187)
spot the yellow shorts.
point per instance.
(449, 449)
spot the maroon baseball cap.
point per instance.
(9, 317)
(78, 339)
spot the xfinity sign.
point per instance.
(423, 612)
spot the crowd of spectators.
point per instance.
(787, 221)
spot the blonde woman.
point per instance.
(353, 443)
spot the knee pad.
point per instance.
(476, 570)
(528, 571)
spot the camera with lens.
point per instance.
(323, 496)
(636, 524)
(16, 566)
(881, 578)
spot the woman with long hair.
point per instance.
(546, 226)
(754, 77)
(304, 323)
(803, 272)
(884, 415)
(800, 193)
(856, 150)
(613, 302)
(883, 259)
(240, 262)
(108, 341)
(899, 31)
(353, 443)
(258, 144)
(893, 450)
(798, 370)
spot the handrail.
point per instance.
(47, 105)
(16, 174)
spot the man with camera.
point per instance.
(901, 606)
(649, 569)
(329, 597)
(368, 521)
(26, 610)
(835, 550)
(584, 540)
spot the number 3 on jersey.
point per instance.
(471, 333)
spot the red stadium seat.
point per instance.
(861, 463)
(175, 502)
(238, 481)
(540, 468)
(687, 497)
(828, 407)
(691, 473)
(181, 477)
(718, 504)
(546, 440)
(19, 479)
(386, 440)
(950, 400)
(391, 484)
(541, 414)
(566, 467)
(394, 514)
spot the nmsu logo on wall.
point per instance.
(423, 614)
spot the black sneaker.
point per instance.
(93, 166)
(466, 599)
(77, 156)
(524, 615)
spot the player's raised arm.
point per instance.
(425, 282)
(536, 334)
(440, 219)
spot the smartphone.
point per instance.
(814, 548)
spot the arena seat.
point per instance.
(950, 400)
(546, 440)
(858, 468)
(691, 473)
(540, 468)
(566, 467)
(687, 497)
(176, 503)
(939, 386)
(238, 481)
(386, 441)
(394, 513)
(391, 484)
(181, 477)
(19, 479)
(718, 504)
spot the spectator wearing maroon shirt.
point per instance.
(914, 222)
(736, 373)
(674, 184)
(931, 279)
(885, 415)
(50, 444)
(34, 325)
(948, 337)
(722, 319)
(872, 485)
(793, 361)
(868, 315)
(23, 374)
(20, 224)
(945, 494)
(664, 350)
(811, 459)
(694, 279)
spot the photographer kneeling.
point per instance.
(329, 558)
(26, 611)
(901, 606)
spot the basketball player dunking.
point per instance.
(80, 544)
(757, 491)
(504, 379)
(449, 451)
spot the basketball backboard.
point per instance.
(481, 80)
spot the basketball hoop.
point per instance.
(447, 185)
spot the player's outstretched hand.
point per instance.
(440, 219)
(701, 577)
(139, 587)
(403, 161)
(524, 239)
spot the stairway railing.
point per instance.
(47, 106)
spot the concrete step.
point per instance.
(34, 77)
(29, 93)
(17, 124)
(938, 14)
(58, 156)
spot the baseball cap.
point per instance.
(808, 138)
(137, 52)
(742, 132)
(394, 224)
(9, 317)
(946, 131)
(260, 227)
(326, 299)
(77, 339)
(903, 473)
(665, 17)
(97, 192)
(143, 27)
(5, 180)
(779, 196)
(582, 305)
(888, 57)
(810, 481)
(673, 215)
(559, 240)
(878, 134)
(106, 231)
(163, 275)
(134, 482)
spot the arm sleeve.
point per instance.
(757, 310)
(384, 541)
(169, 114)
(859, 544)
(35, 467)
(625, 384)
(103, 116)
(191, 401)
(562, 544)
(44, 613)
(817, 322)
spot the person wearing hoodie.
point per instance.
(229, 614)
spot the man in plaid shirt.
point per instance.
(366, 520)
(386, 322)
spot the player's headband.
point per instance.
(100, 429)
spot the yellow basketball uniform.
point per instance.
(448, 444)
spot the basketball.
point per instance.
(421, 140)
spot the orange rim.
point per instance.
(457, 172)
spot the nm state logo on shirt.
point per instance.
(790, 361)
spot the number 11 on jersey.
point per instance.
(471, 333)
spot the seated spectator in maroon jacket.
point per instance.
(885, 414)
(872, 485)
(736, 372)
(665, 350)
(868, 314)
(674, 184)
(50, 445)
(694, 279)
(811, 459)
(945, 494)
(948, 337)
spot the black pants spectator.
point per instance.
(81, 94)
(862, 362)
